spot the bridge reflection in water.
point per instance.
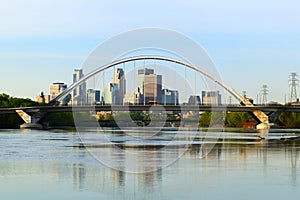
(268, 167)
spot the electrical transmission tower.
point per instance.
(293, 82)
(264, 94)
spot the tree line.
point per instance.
(13, 120)
(206, 119)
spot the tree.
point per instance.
(204, 120)
(13, 120)
(290, 119)
(6, 101)
(237, 119)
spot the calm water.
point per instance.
(53, 165)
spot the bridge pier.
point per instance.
(262, 118)
(31, 122)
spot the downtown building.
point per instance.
(119, 79)
(93, 97)
(111, 94)
(133, 98)
(211, 98)
(194, 100)
(55, 89)
(114, 93)
(170, 97)
(150, 86)
(42, 98)
(79, 93)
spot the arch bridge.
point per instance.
(258, 114)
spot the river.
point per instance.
(53, 164)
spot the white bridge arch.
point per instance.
(59, 98)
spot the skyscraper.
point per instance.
(93, 97)
(119, 79)
(79, 93)
(111, 94)
(150, 86)
(211, 98)
(141, 76)
(194, 100)
(170, 97)
(56, 89)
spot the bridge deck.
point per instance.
(271, 108)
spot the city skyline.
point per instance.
(260, 49)
(149, 90)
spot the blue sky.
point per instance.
(251, 42)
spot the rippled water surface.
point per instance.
(39, 164)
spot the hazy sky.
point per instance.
(251, 42)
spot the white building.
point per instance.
(111, 94)
(211, 98)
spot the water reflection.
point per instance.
(263, 154)
(79, 172)
(259, 158)
(245, 165)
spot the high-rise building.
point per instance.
(194, 100)
(111, 94)
(150, 86)
(141, 76)
(79, 93)
(119, 79)
(93, 97)
(211, 98)
(170, 97)
(56, 89)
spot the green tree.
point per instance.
(237, 119)
(59, 119)
(13, 120)
(290, 119)
(109, 117)
(7, 101)
(204, 120)
(136, 116)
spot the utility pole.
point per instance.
(293, 82)
(264, 93)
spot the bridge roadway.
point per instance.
(183, 108)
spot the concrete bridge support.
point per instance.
(31, 122)
(262, 118)
(273, 116)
